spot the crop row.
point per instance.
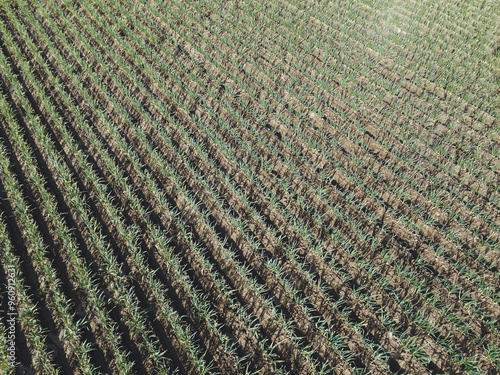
(211, 198)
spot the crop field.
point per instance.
(249, 187)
